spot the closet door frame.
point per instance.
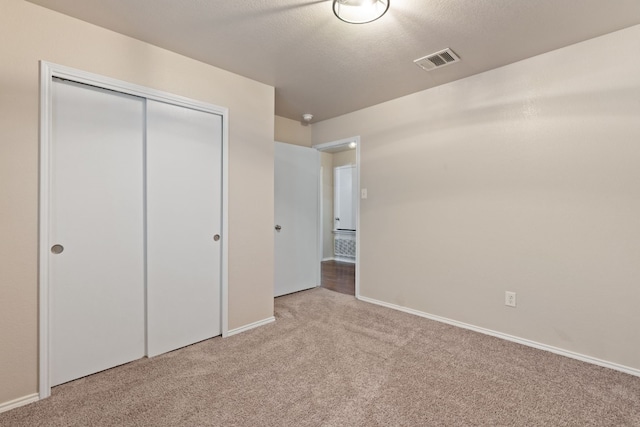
(48, 71)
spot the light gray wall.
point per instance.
(525, 178)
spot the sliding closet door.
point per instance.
(184, 158)
(96, 230)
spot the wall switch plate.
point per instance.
(510, 299)
(363, 193)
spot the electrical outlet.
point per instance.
(510, 299)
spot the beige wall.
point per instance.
(30, 33)
(525, 178)
(343, 158)
(292, 132)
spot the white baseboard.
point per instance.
(344, 259)
(250, 326)
(21, 401)
(339, 259)
(523, 341)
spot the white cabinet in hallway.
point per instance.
(345, 197)
(345, 193)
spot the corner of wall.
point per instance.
(292, 132)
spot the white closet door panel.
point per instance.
(184, 154)
(297, 212)
(96, 214)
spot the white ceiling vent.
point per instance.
(437, 60)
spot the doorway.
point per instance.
(339, 213)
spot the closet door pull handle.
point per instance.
(57, 249)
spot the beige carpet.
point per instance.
(330, 360)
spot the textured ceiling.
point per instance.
(321, 65)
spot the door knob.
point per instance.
(57, 249)
(278, 228)
(337, 219)
(216, 237)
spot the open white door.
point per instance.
(297, 175)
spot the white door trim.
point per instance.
(322, 147)
(320, 222)
(47, 72)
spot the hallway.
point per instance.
(339, 277)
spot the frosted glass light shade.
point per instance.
(360, 11)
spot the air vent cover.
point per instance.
(437, 60)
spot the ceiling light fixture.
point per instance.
(360, 11)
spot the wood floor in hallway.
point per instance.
(339, 276)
